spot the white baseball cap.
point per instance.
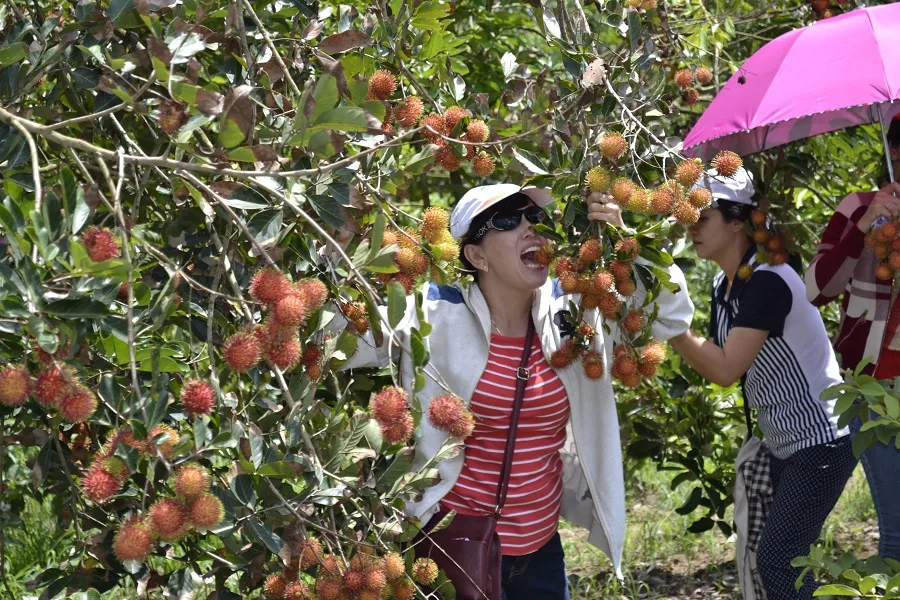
(480, 198)
(737, 188)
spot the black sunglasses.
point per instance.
(508, 220)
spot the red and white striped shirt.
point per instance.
(531, 513)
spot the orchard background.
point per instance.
(157, 154)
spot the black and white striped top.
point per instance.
(796, 363)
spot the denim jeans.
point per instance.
(540, 575)
(882, 465)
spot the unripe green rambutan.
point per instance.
(639, 202)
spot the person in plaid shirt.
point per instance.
(870, 323)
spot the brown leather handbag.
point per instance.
(468, 550)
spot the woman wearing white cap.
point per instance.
(567, 458)
(765, 333)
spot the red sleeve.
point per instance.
(837, 255)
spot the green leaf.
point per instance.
(396, 303)
(329, 209)
(268, 537)
(325, 96)
(892, 404)
(342, 118)
(80, 307)
(265, 226)
(836, 589)
(701, 525)
(13, 53)
(279, 469)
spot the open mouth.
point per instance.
(529, 257)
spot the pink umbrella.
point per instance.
(837, 73)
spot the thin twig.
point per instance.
(100, 114)
(271, 45)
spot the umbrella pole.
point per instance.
(887, 147)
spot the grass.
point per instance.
(663, 560)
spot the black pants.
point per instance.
(540, 575)
(807, 485)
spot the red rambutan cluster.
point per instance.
(100, 243)
(448, 413)
(391, 410)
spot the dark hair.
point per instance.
(893, 134)
(514, 202)
(735, 211)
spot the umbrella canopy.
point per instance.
(837, 73)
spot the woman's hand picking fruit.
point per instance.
(602, 208)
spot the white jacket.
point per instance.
(593, 481)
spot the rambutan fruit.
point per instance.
(483, 164)
(685, 213)
(632, 380)
(167, 519)
(404, 590)
(452, 116)
(689, 172)
(628, 248)
(744, 272)
(375, 580)
(625, 365)
(269, 286)
(409, 112)
(435, 222)
(297, 590)
(313, 292)
(477, 131)
(389, 404)
(603, 282)
(760, 236)
(113, 465)
(424, 571)
(397, 431)
(412, 261)
(640, 202)
(448, 413)
(703, 75)
(653, 353)
(634, 321)
(433, 128)
(283, 352)
(99, 485)
(647, 369)
(592, 362)
(758, 218)
(275, 586)
(166, 446)
(626, 287)
(446, 249)
(590, 251)
(621, 190)
(49, 386)
(77, 404)
(191, 481)
(598, 180)
(407, 280)
(563, 265)
(700, 198)
(100, 244)
(684, 78)
(14, 384)
(620, 270)
(197, 397)
(382, 84)
(290, 312)
(589, 301)
(242, 351)
(464, 427)
(354, 581)
(779, 258)
(447, 159)
(394, 566)
(563, 356)
(330, 566)
(691, 96)
(661, 201)
(587, 332)
(310, 552)
(545, 255)
(568, 281)
(410, 238)
(133, 541)
(609, 306)
(883, 271)
(205, 511)
(361, 325)
(894, 261)
(612, 146)
(726, 163)
(328, 588)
